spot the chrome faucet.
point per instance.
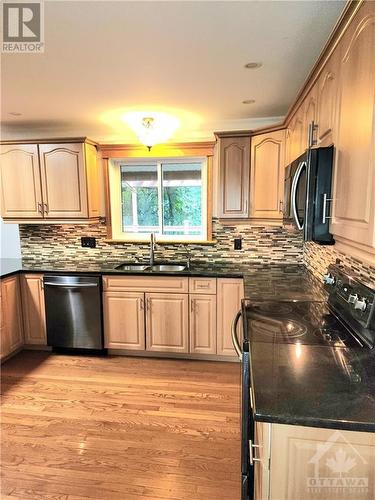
(152, 248)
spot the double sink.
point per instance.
(156, 267)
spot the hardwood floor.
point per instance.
(119, 428)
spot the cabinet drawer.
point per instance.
(202, 285)
(146, 283)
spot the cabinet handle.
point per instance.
(252, 459)
(148, 304)
(45, 208)
(141, 304)
(41, 284)
(281, 203)
(192, 305)
(40, 208)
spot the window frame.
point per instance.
(115, 201)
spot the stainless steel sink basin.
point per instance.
(168, 267)
(132, 267)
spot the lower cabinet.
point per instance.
(124, 320)
(295, 462)
(11, 316)
(167, 319)
(155, 318)
(34, 317)
(230, 292)
(203, 324)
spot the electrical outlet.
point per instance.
(88, 242)
(238, 243)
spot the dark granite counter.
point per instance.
(314, 385)
(261, 281)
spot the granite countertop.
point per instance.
(261, 281)
(314, 385)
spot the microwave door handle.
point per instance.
(235, 341)
(296, 177)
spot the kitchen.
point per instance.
(188, 266)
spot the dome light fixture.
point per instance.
(248, 101)
(151, 127)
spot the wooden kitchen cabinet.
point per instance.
(230, 292)
(354, 180)
(167, 322)
(310, 110)
(124, 320)
(34, 316)
(327, 89)
(234, 177)
(262, 463)
(296, 134)
(304, 458)
(50, 182)
(11, 312)
(202, 324)
(267, 175)
(21, 191)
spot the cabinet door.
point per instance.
(261, 453)
(124, 320)
(310, 109)
(203, 324)
(234, 177)
(354, 185)
(267, 175)
(297, 134)
(11, 308)
(63, 180)
(21, 193)
(167, 317)
(313, 463)
(34, 319)
(327, 101)
(230, 292)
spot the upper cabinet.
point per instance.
(296, 135)
(21, 192)
(234, 177)
(327, 90)
(49, 182)
(267, 175)
(354, 184)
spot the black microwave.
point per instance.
(308, 194)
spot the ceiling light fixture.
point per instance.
(248, 101)
(151, 127)
(15, 113)
(253, 65)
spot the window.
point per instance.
(166, 197)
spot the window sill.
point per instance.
(170, 242)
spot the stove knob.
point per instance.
(328, 279)
(361, 305)
(353, 298)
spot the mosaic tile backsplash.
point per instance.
(260, 244)
(317, 258)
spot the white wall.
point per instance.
(9, 241)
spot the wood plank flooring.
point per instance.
(119, 428)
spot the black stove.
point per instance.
(346, 320)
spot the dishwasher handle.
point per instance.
(66, 285)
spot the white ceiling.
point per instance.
(104, 58)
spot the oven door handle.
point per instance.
(235, 341)
(293, 196)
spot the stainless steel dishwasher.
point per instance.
(73, 311)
